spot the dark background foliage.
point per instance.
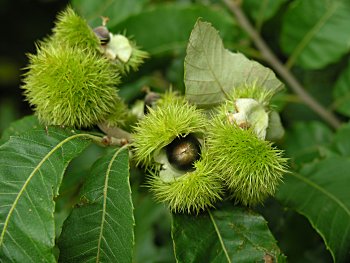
(25, 22)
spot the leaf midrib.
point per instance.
(104, 209)
(36, 169)
(216, 38)
(219, 236)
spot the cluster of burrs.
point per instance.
(72, 80)
(196, 158)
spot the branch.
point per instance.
(274, 62)
(115, 132)
(108, 140)
(114, 135)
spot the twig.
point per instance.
(115, 132)
(107, 140)
(271, 58)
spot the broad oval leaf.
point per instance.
(341, 92)
(115, 10)
(170, 26)
(320, 191)
(31, 170)
(315, 32)
(229, 234)
(100, 229)
(212, 72)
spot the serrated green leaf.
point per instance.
(315, 32)
(320, 191)
(229, 234)
(341, 92)
(169, 26)
(304, 141)
(20, 126)
(115, 10)
(31, 170)
(75, 174)
(212, 72)
(100, 229)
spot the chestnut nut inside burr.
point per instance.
(103, 34)
(183, 152)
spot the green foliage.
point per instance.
(152, 223)
(92, 232)
(305, 142)
(212, 72)
(316, 29)
(27, 229)
(115, 10)
(20, 126)
(73, 81)
(262, 10)
(340, 142)
(342, 92)
(231, 234)
(173, 31)
(323, 200)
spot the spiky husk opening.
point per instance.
(246, 113)
(192, 192)
(70, 86)
(250, 167)
(162, 124)
(72, 30)
(137, 58)
(254, 91)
